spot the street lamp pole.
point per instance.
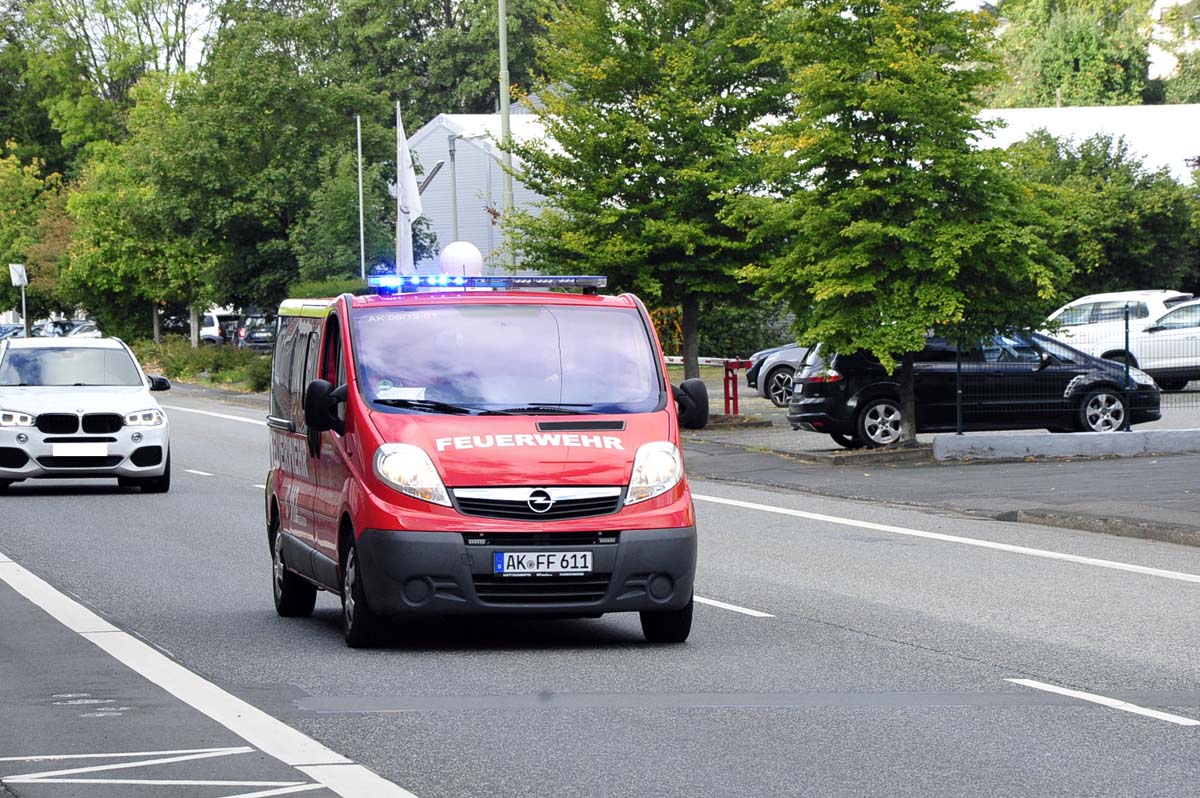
(509, 258)
(451, 139)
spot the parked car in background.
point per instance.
(256, 331)
(1009, 381)
(1163, 336)
(62, 328)
(10, 330)
(217, 326)
(773, 371)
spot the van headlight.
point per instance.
(15, 418)
(144, 418)
(408, 469)
(657, 467)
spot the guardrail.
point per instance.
(731, 366)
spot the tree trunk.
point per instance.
(691, 336)
(908, 402)
(194, 319)
(157, 325)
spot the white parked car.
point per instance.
(1164, 332)
(80, 408)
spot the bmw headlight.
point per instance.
(408, 469)
(15, 418)
(144, 418)
(657, 467)
(1140, 377)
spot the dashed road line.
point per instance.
(1112, 703)
(732, 607)
(198, 473)
(984, 544)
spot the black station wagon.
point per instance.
(1009, 381)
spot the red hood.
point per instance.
(474, 451)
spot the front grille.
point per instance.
(80, 462)
(58, 423)
(541, 589)
(12, 457)
(80, 439)
(520, 510)
(540, 538)
(101, 423)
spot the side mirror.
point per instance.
(1044, 360)
(692, 398)
(320, 399)
(1154, 328)
(160, 384)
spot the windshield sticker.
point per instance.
(506, 441)
(385, 390)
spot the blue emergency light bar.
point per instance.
(396, 283)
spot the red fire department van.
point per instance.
(442, 448)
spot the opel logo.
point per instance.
(540, 501)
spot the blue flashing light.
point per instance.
(395, 284)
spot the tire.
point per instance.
(160, 484)
(878, 423)
(1102, 410)
(846, 441)
(294, 597)
(1177, 384)
(360, 624)
(779, 385)
(4, 483)
(668, 626)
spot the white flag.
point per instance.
(408, 201)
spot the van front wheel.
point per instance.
(669, 626)
(360, 625)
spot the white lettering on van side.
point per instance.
(540, 440)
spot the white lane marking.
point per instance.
(198, 473)
(263, 487)
(1112, 703)
(281, 791)
(141, 763)
(732, 607)
(169, 782)
(126, 754)
(256, 727)
(242, 419)
(985, 544)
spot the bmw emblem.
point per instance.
(540, 501)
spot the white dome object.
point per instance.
(461, 258)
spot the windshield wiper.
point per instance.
(432, 406)
(556, 410)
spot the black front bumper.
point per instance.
(438, 573)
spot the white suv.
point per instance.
(1096, 325)
(80, 408)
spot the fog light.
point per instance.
(22, 437)
(136, 437)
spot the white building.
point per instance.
(479, 176)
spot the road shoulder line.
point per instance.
(1112, 703)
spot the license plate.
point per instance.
(80, 449)
(542, 562)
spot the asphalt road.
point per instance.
(884, 668)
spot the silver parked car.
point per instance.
(773, 371)
(80, 408)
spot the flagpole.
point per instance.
(400, 216)
(362, 236)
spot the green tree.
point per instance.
(644, 101)
(24, 194)
(24, 123)
(878, 222)
(1122, 225)
(1074, 52)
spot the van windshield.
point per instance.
(512, 358)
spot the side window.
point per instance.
(281, 398)
(936, 351)
(1112, 311)
(1139, 310)
(1182, 318)
(1080, 314)
(333, 351)
(299, 361)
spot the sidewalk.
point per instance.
(1157, 498)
